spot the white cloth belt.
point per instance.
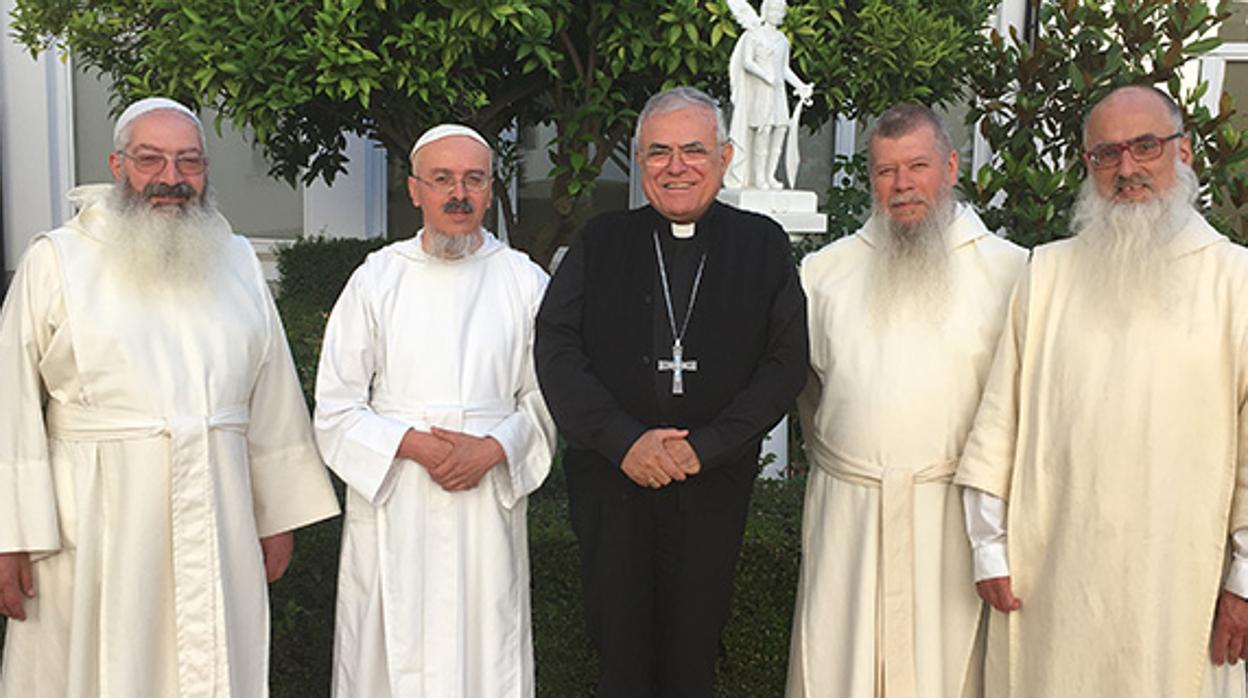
(477, 415)
(896, 487)
(192, 518)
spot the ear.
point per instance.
(1185, 150)
(413, 190)
(952, 166)
(727, 154)
(114, 165)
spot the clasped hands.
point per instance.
(456, 461)
(659, 457)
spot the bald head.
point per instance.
(1136, 98)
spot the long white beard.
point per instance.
(910, 277)
(1123, 265)
(450, 247)
(165, 248)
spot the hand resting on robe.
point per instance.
(469, 459)
(1230, 629)
(16, 581)
(997, 592)
(277, 550)
(651, 462)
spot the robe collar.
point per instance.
(966, 228)
(412, 249)
(701, 227)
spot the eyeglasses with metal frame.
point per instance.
(152, 162)
(1143, 149)
(693, 154)
(474, 182)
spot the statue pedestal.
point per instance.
(796, 212)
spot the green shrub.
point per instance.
(1030, 98)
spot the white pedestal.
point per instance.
(797, 212)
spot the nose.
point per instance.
(1127, 164)
(902, 181)
(169, 173)
(677, 165)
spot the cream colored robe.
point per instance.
(147, 441)
(1118, 446)
(433, 589)
(896, 403)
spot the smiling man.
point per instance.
(904, 315)
(670, 341)
(155, 449)
(1106, 473)
(428, 408)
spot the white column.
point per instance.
(36, 141)
(1010, 13)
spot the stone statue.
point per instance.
(758, 72)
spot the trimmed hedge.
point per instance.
(755, 640)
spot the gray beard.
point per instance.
(169, 248)
(450, 247)
(1123, 264)
(910, 277)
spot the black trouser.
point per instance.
(657, 576)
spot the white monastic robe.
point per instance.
(433, 589)
(1120, 447)
(148, 440)
(886, 603)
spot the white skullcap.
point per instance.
(441, 131)
(151, 104)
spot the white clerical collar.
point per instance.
(683, 231)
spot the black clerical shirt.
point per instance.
(603, 327)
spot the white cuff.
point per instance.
(991, 561)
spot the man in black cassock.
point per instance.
(671, 339)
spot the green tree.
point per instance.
(1030, 99)
(302, 73)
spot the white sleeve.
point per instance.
(528, 434)
(1237, 576)
(357, 443)
(32, 314)
(985, 526)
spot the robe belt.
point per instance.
(432, 414)
(192, 520)
(896, 487)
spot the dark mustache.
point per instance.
(458, 206)
(180, 190)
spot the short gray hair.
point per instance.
(905, 118)
(682, 97)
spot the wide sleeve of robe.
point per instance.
(358, 443)
(988, 460)
(288, 480)
(33, 313)
(528, 434)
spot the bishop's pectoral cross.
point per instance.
(677, 365)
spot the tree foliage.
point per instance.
(1032, 98)
(302, 73)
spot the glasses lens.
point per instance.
(147, 163)
(476, 182)
(1105, 157)
(1146, 148)
(191, 164)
